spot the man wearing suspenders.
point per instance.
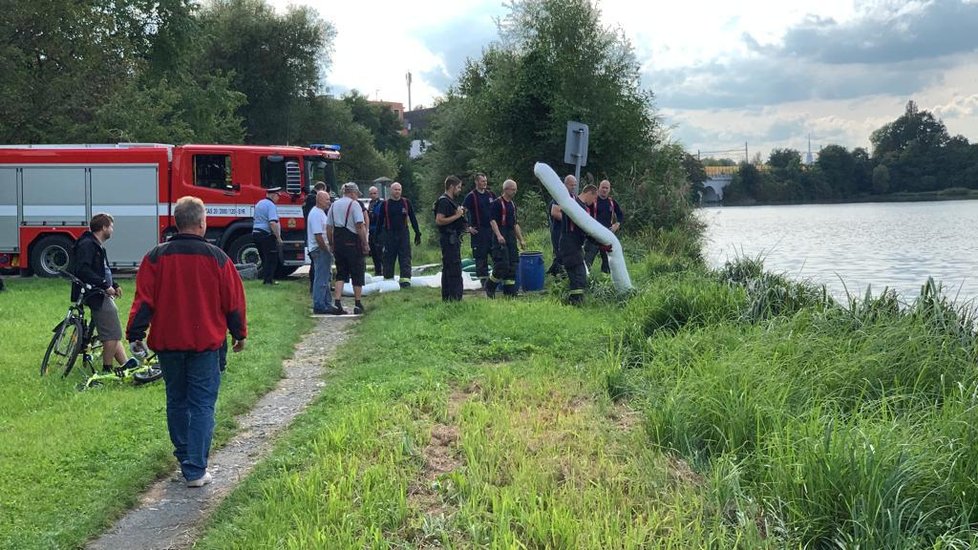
(476, 205)
(609, 214)
(346, 233)
(508, 239)
(572, 239)
(392, 223)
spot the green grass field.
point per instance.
(728, 409)
(71, 461)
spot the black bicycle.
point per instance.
(74, 336)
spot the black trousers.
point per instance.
(397, 248)
(481, 245)
(451, 266)
(572, 258)
(505, 261)
(555, 266)
(591, 251)
(377, 251)
(268, 250)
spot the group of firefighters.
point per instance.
(190, 292)
(347, 231)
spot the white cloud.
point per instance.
(958, 107)
(379, 42)
(689, 43)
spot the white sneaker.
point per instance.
(201, 481)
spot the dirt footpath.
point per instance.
(169, 514)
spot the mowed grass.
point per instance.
(71, 461)
(485, 423)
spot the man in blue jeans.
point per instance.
(189, 291)
(319, 253)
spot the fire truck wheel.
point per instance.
(243, 250)
(51, 255)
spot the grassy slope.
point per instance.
(537, 453)
(492, 424)
(71, 461)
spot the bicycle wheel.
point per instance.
(151, 372)
(66, 343)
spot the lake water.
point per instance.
(895, 245)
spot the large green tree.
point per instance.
(324, 119)
(555, 62)
(59, 60)
(108, 70)
(277, 61)
(838, 166)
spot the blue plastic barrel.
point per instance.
(531, 271)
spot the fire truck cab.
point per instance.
(49, 192)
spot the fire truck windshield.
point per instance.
(321, 169)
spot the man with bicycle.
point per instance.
(189, 291)
(91, 266)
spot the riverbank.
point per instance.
(711, 409)
(952, 194)
(726, 409)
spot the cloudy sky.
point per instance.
(768, 73)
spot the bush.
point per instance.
(770, 295)
(686, 299)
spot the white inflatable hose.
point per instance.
(591, 226)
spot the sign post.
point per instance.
(575, 146)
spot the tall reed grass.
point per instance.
(817, 424)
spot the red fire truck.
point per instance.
(49, 192)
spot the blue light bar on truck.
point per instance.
(324, 146)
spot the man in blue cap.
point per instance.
(267, 232)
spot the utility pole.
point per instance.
(746, 154)
(408, 77)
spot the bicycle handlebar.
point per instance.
(85, 287)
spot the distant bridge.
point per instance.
(718, 177)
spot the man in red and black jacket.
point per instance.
(392, 224)
(189, 291)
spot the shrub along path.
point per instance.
(169, 514)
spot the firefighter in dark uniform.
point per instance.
(570, 182)
(507, 235)
(450, 219)
(609, 214)
(476, 205)
(392, 223)
(572, 239)
(376, 246)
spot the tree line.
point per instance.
(237, 71)
(177, 71)
(554, 62)
(913, 154)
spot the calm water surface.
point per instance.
(895, 245)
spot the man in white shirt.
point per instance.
(319, 252)
(346, 232)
